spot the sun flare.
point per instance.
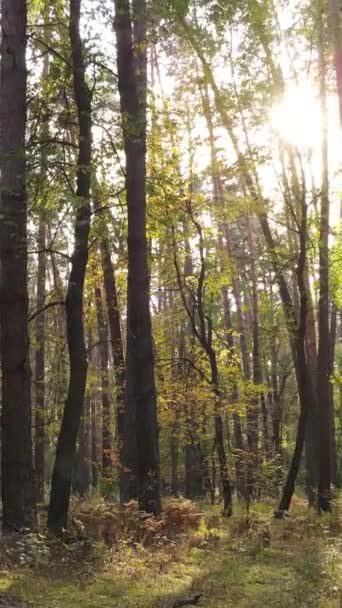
(296, 118)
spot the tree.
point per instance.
(324, 361)
(66, 445)
(18, 493)
(141, 448)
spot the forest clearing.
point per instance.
(171, 303)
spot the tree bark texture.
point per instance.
(18, 493)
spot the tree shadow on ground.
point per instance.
(296, 573)
(293, 576)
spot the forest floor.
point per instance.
(249, 562)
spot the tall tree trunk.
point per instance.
(141, 449)
(18, 492)
(311, 438)
(39, 378)
(323, 371)
(237, 429)
(66, 444)
(336, 31)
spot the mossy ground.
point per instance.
(230, 565)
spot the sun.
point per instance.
(297, 118)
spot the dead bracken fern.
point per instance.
(112, 524)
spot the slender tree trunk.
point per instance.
(141, 438)
(40, 366)
(237, 429)
(336, 35)
(81, 473)
(94, 434)
(66, 444)
(219, 438)
(332, 338)
(107, 435)
(174, 455)
(323, 371)
(39, 378)
(311, 438)
(18, 492)
(296, 330)
(113, 312)
(276, 411)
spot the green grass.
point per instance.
(302, 568)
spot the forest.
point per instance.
(171, 303)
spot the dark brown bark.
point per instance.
(66, 444)
(107, 434)
(141, 445)
(18, 492)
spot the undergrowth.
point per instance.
(248, 561)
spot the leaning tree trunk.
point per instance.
(141, 447)
(296, 331)
(66, 444)
(18, 494)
